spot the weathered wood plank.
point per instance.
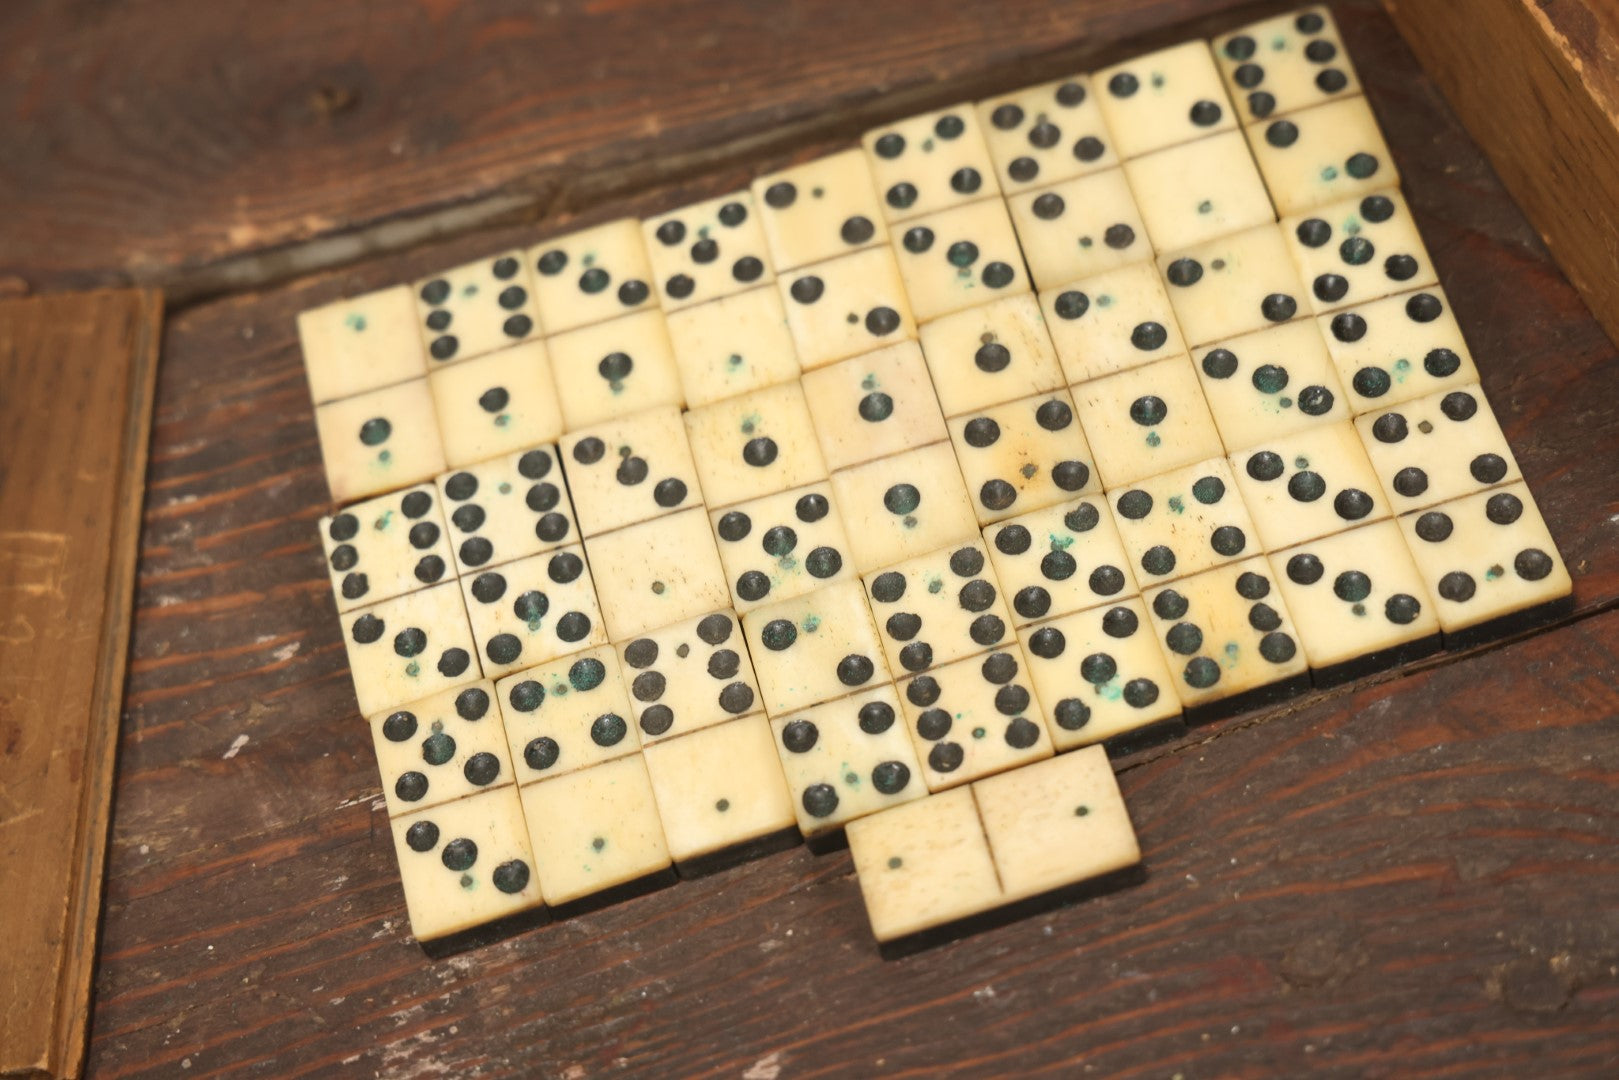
(166, 140)
(77, 374)
(1536, 84)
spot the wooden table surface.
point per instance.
(1413, 876)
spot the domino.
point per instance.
(532, 610)
(1112, 322)
(410, 647)
(1360, 249)
(990, 355)
(689, 676)
(782, 546)
(755, 444)
(1322, 154)
(1229, 640)
(1359, 602)
(1170, 96)
(1079, 228)
(476, 308)
(1101, 677)
(506, 509)
(361, 344)
(1046, 134)
(1308, 485)
(707, 251)
(379, 441)
(1184, 522)
(814, 648)
(903, 506)
(1146, 420)
(938, 608)
(444, 747)
(629, 470)
(974, 717)
(1060, 559)
(1398, 348)
(379, 549)
(1437, 448)
(1194, 192)
(656, 573)
(591, 276)
(1490, 564)
(496, 404)
(566, 715)
(732, 346)
(846, 759)
(873, 406)
(610, 369)
(1270, 384)
(1286, 63)
(1023, 455)
(930, 162)
(819, 210)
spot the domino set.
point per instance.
(884, 496)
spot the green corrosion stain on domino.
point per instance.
(935, 585)
(811, 623)
(869, 382)
(1060, 543)
(1284, 402)
(1158, 80)
(1205, 207)
(734, 361)
(505, 487)
(1494, 572)
(469, 290)
(503, 419)
(382, 522)
(1105, 300)
(468, 882)
(1352, 224)
(355, 322)
(1402, 368)
(1153, 440)
(750, 423)
(1301, 462)
(1110, 690)
(413, 669)
(1232, 654)
(1177, 504)
(1329, 174)
(979, 733)
(598, 843)
(385, 457)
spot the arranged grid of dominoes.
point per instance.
(849, 499)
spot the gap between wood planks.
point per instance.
(552, 192)
(1245, 721)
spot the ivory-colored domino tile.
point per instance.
(1437, 448)
(1184, 521)
(689, 675)
(819, 210)
(733, 345)
(465, 863)
(591, 276)
(938, 607)
(443, 747)
(706, 251)
(755, 444)
(1227, 287)
(1322, 154)
(566, 715)
(923, 864)
(496, 404)
(361, 343)
(656, 573)
(1358, 249)
(1285, 63)
(1111, 322)
(1354, 593)
(930, 162)
(719, 787)
(990, 354)
(974, 717)
(1057, 823)
(1046, 133)
(533, 610)
(782, 545)
(476, 308)
(846, 759)
(1308, 485)
(378, 549)
(611, 369)
(959, 258)
(1486, 556)
(1023, 455)
(594, 829)
(814, 648)
(1060, 559)
(1079, 227)
(845, 307)
(1270, 383)
(1199, 190)
(1146, 420)
(409, 647)
(1099, 673)
(379, 441)
(1398, 348)
(1225, 632)
(1170, 96)
(874, 405)
(904, 505)
(628, 470)
(507, 509)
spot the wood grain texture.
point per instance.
(1402, 879)
(1537, 84)
(202, 144)
(77, 373)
